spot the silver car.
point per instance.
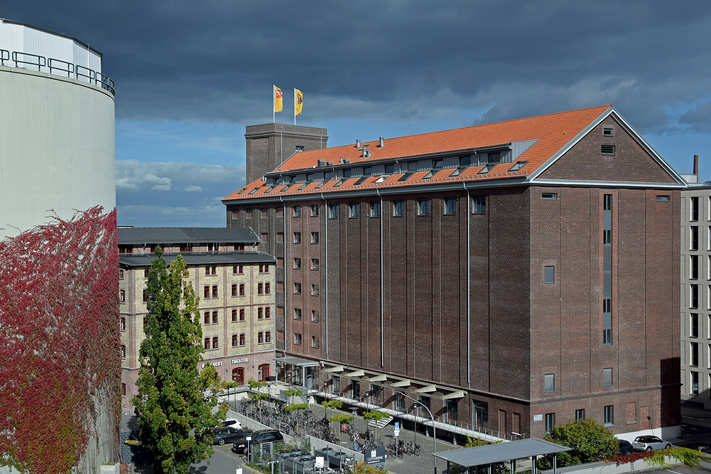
(648, 443)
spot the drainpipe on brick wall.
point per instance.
(382, 285)
(469, 352)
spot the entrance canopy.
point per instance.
(296, 361)
(500, 452)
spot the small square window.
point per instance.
(297, 237)
(375, 209)
(549, 383)
(423, 207)
(314, 264)
(314, 237)
(353, 210)
(607, 149)
(297, 288)
(314, 342)
(314, 211)
(608, 132)
(549, 275)
(314, 290)
(297, 314)
(333, 211)
(398, 208)
(580, 414)
(297, 339)
(450, 206)
(297, 264)
(297, 211)
(314, 316)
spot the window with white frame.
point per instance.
(423, 207)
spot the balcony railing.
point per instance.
(56, 66)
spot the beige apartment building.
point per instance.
(236, 288)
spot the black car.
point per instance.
(625, 447)
(228, 435)
(256, 437)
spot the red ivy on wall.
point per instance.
(59, 338)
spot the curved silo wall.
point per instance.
(57, 150)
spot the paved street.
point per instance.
(226, 462)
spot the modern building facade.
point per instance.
(510, 276)
(696, 293)
(57, 152)
(235, 284)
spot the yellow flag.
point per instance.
(278, 104)
(298, 101)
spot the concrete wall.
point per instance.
(57, 148)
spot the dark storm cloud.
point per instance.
(699, 118)
(392, 61)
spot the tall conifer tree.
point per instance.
(175, 417)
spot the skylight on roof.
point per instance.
(340, 182)
(406, 176)
(487, 168)
(518, 165)
(360, 181)
(253, 191)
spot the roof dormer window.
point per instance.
(518, 165)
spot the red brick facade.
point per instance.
(460, 299)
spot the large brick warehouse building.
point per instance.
(510, 276)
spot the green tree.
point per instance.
(376, 416)
(175, 418)
(589, 439)
(341, 419)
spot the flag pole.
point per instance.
(294, 105)
(273, 103)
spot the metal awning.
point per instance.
(427, 389)
(296, 361)
(378, 378)
(455, 394)
(401, 383)
(500, 452)
(357, 373)
(334, 369)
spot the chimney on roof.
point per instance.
(696, 165)
(365, 151)
(321, 163)
(382, 142)
(357, 142)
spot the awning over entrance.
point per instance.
(500, 452)
(296, 361)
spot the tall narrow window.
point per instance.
(549, 383)
(549, 275)
(423, 207)
(694, 354)
(694, 389)
(297, 211)
(398, 208)
(333, 211)
(694, 296)
(607, 377)
(375, 209)
(693, 267)
(609, 415)
(694, 237)
(580, 414)
(314, 211)
(694, 214)
(450, 206)
(693, 325)
(353, 210)
(607, 269)
(478, 204)
(550, 422)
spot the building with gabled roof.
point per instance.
(234, 283)
(509, 275)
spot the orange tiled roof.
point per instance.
(552, 132)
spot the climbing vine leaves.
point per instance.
(59, 339)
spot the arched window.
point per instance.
(263, 373)
(238, 375)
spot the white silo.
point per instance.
(57, 150)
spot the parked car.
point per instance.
(649, 442)
(232, 423)
(228, 435)
(625, 446)
(256, 437)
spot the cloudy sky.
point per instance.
(191, 75)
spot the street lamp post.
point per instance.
(434, 428)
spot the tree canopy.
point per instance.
(175, 417)
(589, 439)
